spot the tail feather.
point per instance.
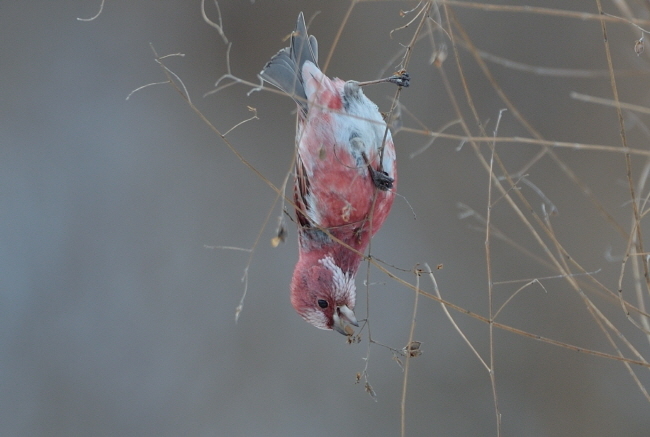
(284, 69)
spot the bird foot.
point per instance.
(400, 78)
(381, 179)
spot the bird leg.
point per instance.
(379, 177)
(400, 78)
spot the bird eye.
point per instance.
(322, 303)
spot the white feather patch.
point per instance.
(344, 289)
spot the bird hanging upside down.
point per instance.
(344, 179)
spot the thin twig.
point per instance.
(101, 8)
(407, 360)
(218, 27)
(451, 319)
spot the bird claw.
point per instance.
(381, 179)
(401, 78)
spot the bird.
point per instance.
(345, 179)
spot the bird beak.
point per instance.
(342, 316)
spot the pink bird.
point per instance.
(344, 179)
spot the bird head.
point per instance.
(324, 295)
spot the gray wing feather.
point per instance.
(313, 46)
(284, 69)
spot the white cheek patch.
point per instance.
(315, 317)
(343, 283)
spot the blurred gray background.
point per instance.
(116, 320)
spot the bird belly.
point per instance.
(341, 191)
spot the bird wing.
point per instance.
(300, 192)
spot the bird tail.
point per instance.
(284, 69)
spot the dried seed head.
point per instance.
(280, 235)
(639, 46)
(413, 349)
(439, 56)
(370, 391)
